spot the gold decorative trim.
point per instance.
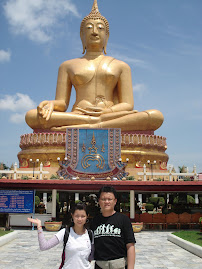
(58, 139)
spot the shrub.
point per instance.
(149, 207)
(24, 177)
(37, 200)
(54, 177)
(78, 201)
(154, 200)
(130, 178)
(187, 179)
(161, 201)
(189, 200)
(159, 179)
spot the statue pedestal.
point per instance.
(45, 146)
(138, 147)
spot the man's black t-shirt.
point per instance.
(111, 235)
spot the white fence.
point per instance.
(170, 174)
(16, 171)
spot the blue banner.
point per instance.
(16, 201)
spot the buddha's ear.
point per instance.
(105, 46)
(83, 43)
(84, 48)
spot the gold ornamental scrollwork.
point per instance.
(93, 157)
(103, 148)
(93, 148)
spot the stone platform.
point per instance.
(153, 251)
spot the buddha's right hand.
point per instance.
(45, 109)
(91, 111)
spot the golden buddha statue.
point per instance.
(103, 85)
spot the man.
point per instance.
(113, 234)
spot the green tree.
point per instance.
(3, 166)
(54, 177)
(130, 178)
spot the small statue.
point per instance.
(103, 84)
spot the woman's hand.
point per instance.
(35, 221)
(45, 109)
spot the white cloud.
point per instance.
(175, 32)
(17, 118)
(139, 88)
(36, 18)
(5, 56)
(17, 103)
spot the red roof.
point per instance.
(77, 185)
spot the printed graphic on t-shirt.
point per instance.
(107, 230)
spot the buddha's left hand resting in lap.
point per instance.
(103, 85)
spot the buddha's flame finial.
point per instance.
(95, 10)
(95, 7)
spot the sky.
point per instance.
(160, 40)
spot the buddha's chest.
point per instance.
(93, 72)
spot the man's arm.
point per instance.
(131, 255)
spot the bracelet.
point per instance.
(40, 227)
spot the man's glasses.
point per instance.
(106, 199)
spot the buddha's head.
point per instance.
(98, 24)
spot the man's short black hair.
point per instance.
(107, 189)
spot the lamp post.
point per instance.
(65, 159)
(120, 160)
(124, 164)
(34, 162)
(154, 163)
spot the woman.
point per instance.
(79, 247)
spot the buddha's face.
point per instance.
(94, 35)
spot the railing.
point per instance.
(15, 172)
(170, 174)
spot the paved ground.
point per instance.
(153, 251)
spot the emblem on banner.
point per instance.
(93, 153)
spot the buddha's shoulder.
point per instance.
(119, 63)
(71, 62)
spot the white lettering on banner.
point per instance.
(107, 230)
